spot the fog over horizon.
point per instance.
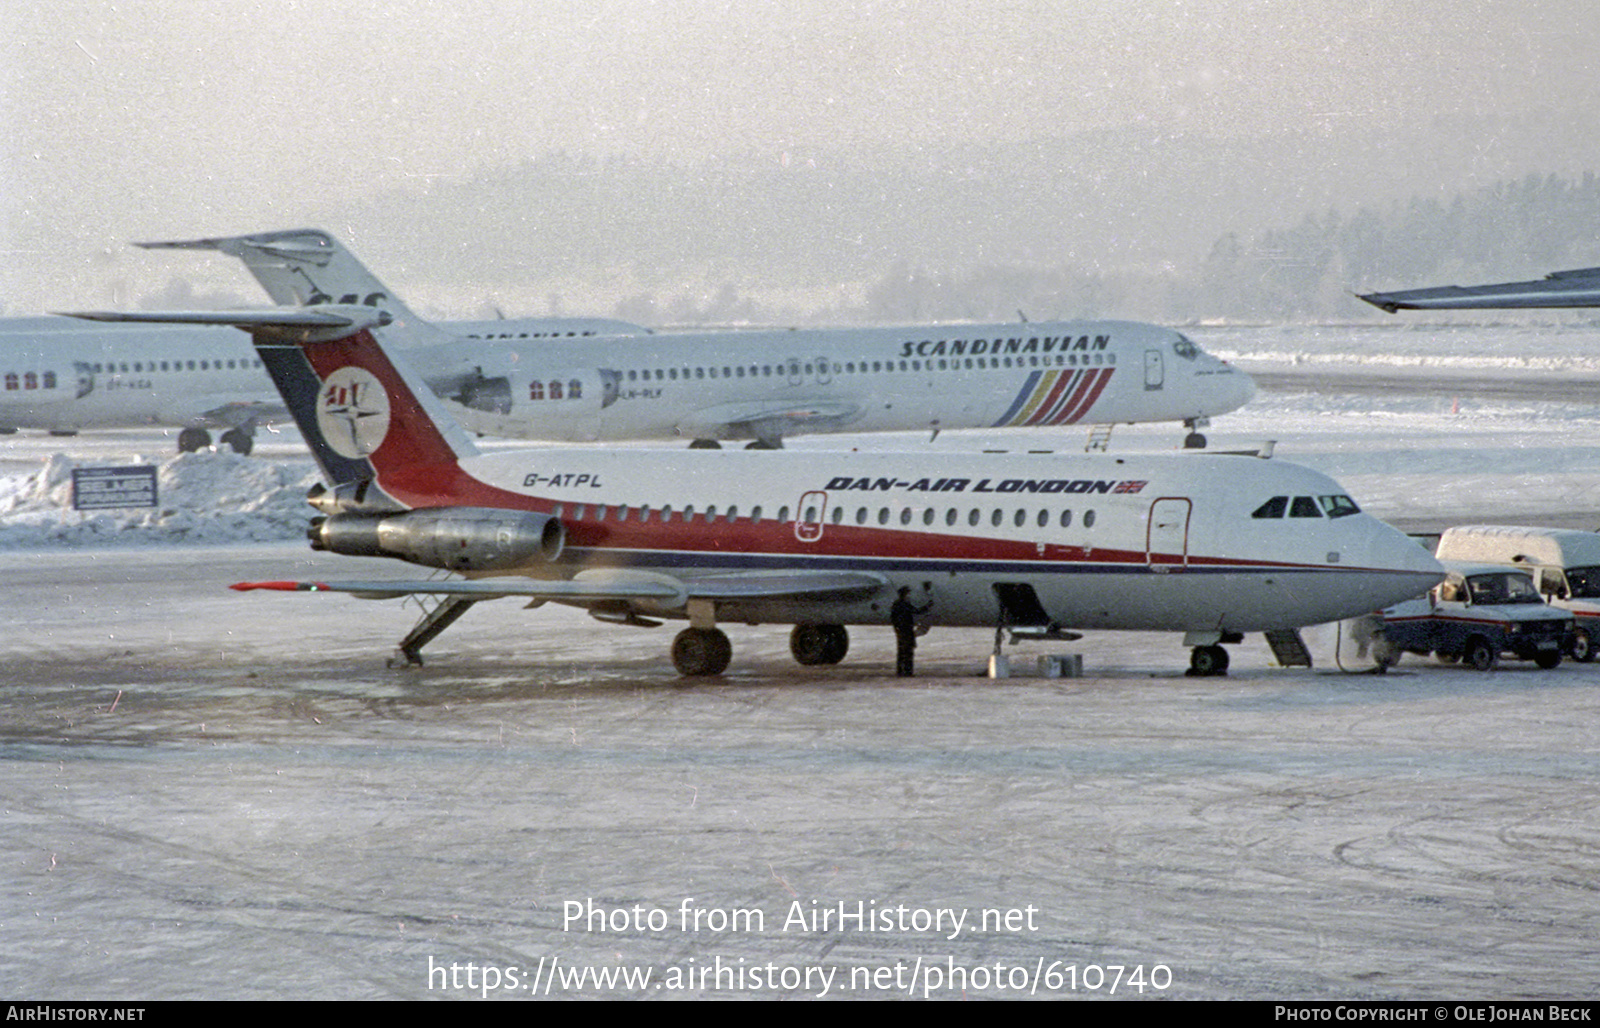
(631, 156)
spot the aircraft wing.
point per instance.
(1579, 288)
(232, 415)
(764, 418)
(606, 586)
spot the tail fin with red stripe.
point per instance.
(381, 437)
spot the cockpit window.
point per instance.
(1338, 506)
(1273, 508)
(1184, 347)
(1304, 507)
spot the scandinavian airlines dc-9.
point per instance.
(705, 387)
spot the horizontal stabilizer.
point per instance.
(330, 321)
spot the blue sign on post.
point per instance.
(107, 488)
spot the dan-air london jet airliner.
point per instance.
(598, 383)
(1210, 545)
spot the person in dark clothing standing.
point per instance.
(903, 616)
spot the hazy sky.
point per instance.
(151, 119)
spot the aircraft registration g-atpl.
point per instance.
(764, 385)
(1210, 545)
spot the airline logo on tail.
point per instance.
(353, 412)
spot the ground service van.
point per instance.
(1478, 613)
(1564, 563)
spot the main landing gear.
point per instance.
(697, 652)
(700, 652)
(192, 440)
(755, 444)
(814, 645)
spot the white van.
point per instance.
(1564, 563)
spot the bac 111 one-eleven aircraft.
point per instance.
(614, 381)
(1210, 545)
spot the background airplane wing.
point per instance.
(1578, 288)
(763, 418)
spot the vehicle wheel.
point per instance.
(813, 645)
(701, 651)
(1208, 661)
(1582, 646)
(1480, 654)
(193, 440)
(1548, 659)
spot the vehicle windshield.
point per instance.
(1500, 588)
(1584, 582)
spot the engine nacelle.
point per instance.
(453, 538)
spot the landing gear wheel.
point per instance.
(701, 651)
(762, 444)
(819, 644)
(705, 444)
(193, 440)
(1208, 662)
(1582, 647)
(241, 441)
(1194, 441)
(1480, 654)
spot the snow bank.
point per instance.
(203, 498)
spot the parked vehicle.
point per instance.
(1478, 614)
(1565, 564)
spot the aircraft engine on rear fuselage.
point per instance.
(454, 538)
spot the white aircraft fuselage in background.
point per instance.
(59, 375)
(593, 380)
(766, 385)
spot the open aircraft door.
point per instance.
(1167, 534)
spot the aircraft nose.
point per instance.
(1243, 387)
(1408, 565)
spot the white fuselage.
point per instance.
(762, 384)
(60, 375)
(577, 386)
(1161, 542)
